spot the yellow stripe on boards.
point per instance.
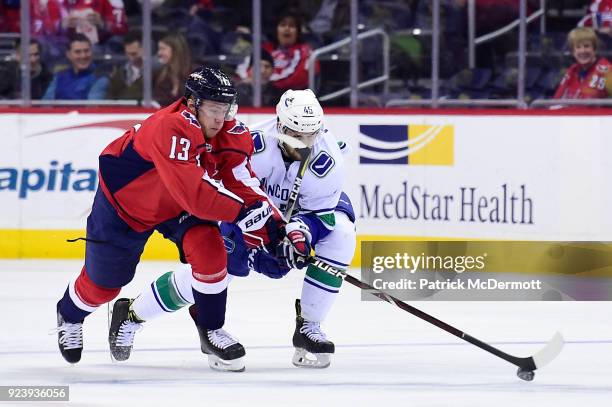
(36, 244)
(33, 244)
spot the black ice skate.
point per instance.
(224, 352)
(312, 348)
(123, 327)
(69, 339)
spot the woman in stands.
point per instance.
(290, 54)
(591, 76)
(175, 59)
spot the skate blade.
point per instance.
(220, 365)
(303, 358)
(120, 356)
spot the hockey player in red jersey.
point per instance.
(151, 179)
(590, 77)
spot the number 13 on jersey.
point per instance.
(184, 144)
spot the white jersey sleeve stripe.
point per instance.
(242, 174)
(220, 188)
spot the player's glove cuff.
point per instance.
(294, 249)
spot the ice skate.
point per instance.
(69, 339)
(123, 327)
(224, 352)
(312, 348)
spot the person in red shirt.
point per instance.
(44, 17)
(599, 16)
(590, 77)
(163, 175)
(290, 55)
(96, 19)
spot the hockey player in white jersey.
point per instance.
(324, 211)
(323, 214)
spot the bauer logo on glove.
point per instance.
(255, 217)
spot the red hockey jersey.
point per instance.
(290, 65)
(112, 13)
(152, 173)
(228, 160)
(599, 15)
(593, 83)
(44, 18)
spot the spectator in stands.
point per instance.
(44, 17)
(269, 93)
(290, 54)
(96, 19)
(175, 59)
(81, 80)
(491, 15)
(10, 74)
(590, 77)
(332, 19)
(126, 80)
(599, 16)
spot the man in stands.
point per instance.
(10, 74)
(126, 80)
(82, 79)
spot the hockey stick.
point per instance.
(526, 366)
(304, 152)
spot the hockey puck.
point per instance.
(526, 375)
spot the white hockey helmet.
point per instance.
(299, 112)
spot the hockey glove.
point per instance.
(294, 250)
(259, 224)
(266, 264)
(254, 217)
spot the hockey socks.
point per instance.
(318, 293)
(70, 311)
(82, 297)
(210, 312)
(169, 293)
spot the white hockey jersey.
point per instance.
(322, 183)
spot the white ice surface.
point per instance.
(383, 355)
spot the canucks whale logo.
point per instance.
(413, 144)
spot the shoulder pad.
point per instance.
(235, 127)
(189, 118)
(181, 121)
(236, 137)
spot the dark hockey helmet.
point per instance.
(210, 84)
